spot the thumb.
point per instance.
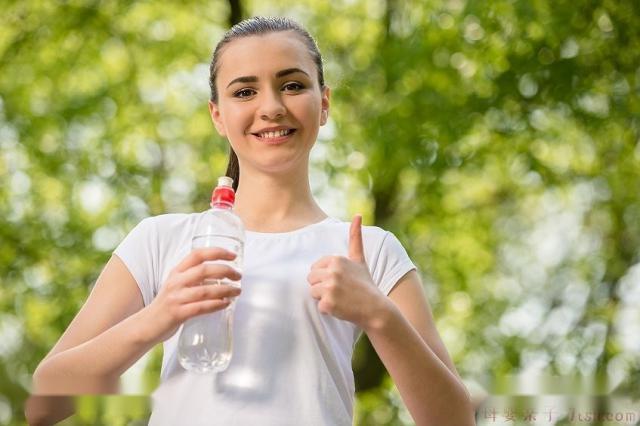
(356, 251)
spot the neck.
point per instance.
(276, 203)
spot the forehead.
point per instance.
(264, 54)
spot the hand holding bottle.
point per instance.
(182, 296)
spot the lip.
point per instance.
(274, 141)
(273, 129)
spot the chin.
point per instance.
(281, 166)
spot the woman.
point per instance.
(310, 285)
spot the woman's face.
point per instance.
(270, 104)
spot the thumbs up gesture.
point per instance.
(343, 285)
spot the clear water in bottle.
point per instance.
(206, 341)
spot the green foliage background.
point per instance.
(499, 140)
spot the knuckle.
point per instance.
(174, 313)
(203, 308)
(172, 282)
(215, 271)
(329, 303)
(220, 253)
(209, 273)
(197, 255)
(172, 298)
(202, 271)
(325, 306)
(202, 292)
(212, 254)
(194, 311)
(206, 267)
(166, 287)
(206, 270)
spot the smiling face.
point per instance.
(270, 104)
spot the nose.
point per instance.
(271, 106)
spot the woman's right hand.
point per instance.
(182, 296)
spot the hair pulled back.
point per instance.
(258, 25)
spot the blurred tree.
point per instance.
(499, 141)
(103, 121)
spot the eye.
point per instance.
(293, 86)
(244, 93)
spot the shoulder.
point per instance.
(164, 228)
(169, 222)
(172, 221)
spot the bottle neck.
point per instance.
(223, 197)
(221, 205)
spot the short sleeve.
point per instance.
(392, 263)
(139, 252)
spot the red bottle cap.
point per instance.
(223, 195)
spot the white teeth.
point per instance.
(275, 134)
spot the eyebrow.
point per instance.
(253, 78)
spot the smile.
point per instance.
(274, 137)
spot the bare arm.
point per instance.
(405, 337)
(400, 328)
(102, 341)
(45, 410)
(113, 330)
(114, 297)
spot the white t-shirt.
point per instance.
(291, 364)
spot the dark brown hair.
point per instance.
(258, 25)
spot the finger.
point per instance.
(202, 255)
(318, 275)
(317, 291)
(356, 250)
(207, 292)
(197, 274)
(323, 262)
(204, 307)
(326, 306)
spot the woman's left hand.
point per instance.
(343, 285)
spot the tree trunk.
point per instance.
(370, 373)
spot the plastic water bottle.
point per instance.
(206, 341)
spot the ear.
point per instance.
(214, 111)
(324, 114)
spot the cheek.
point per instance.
(308, 108)
(237, 119)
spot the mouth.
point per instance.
(275, 136)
